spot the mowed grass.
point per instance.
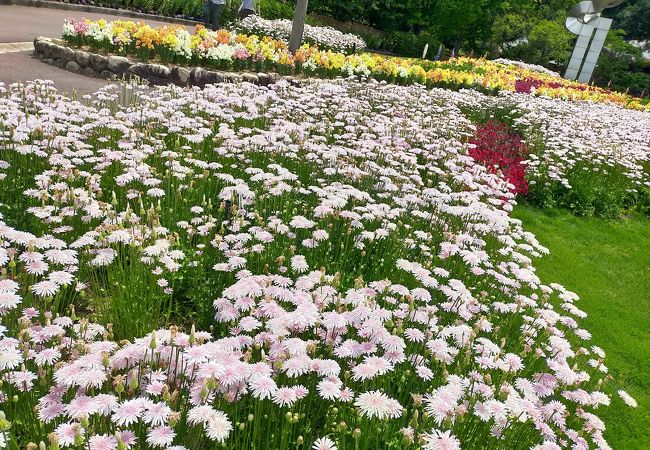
(607, 263)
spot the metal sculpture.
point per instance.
(585, 20)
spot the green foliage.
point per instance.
(275, 9)
(634, 18)
(410, 44)
(621, 66)
(604, 261)
(547, 41)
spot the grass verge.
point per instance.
(607, 263)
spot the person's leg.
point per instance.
(217, 14)
(206, 13)
(214, 18)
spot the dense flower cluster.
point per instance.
(360, 275)
(526, 66)
(501, 151)
(591, 158)
(326, 38)
(232, 51)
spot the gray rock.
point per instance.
(87, 71)
(107, 74)
(118, 64)
(60, 63)
(291, 80)
(82, 58)
(55, 51)
(263, 79)
(67, 54)
(48, 61)
(98, 62)
(152, 72)
(180, 75)
(196, 77)
(41, 46)
(250, 78)
(72, 66)
(234, 78)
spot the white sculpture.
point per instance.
(585, 20)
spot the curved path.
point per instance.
(19, 25)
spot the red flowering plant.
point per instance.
(501, 150)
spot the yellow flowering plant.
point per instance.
(228, 50)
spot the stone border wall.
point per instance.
(111, 67)
(97, 9)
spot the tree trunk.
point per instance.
(298, 25)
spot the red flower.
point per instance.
(501, 150)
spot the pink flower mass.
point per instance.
(317, 265)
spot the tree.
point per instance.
(298, 25)
(621, 66)
(634, 18)
(547, 41)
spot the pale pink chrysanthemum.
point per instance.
(324, 443)
(28, 257)
(61, 278)
(8, 285)
(10, 358)
(301, 391)
(424, 372)
(81, 407)
(128, 412)
(441, 440)
(346, 395)
(162, 436)
(377, 404)
(50, 412)
(102, 442)
(156, 414)
(36, 267)
(263, 387)
(45, 288)
(627, 398)
(155, 388)
(299, 264)
(200, 414)
(9, 300)
(329, 389)
(23, 380)
(126, 437)
(284, 396)
(218, 427)
(66, 434)
(106, 403)
(48, 356)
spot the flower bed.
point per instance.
(230, 51)
(326, 38)
(590, 158)
(362, 281)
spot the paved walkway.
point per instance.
(19, 25)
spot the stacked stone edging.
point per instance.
(110, 67)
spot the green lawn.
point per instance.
(607, 263)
